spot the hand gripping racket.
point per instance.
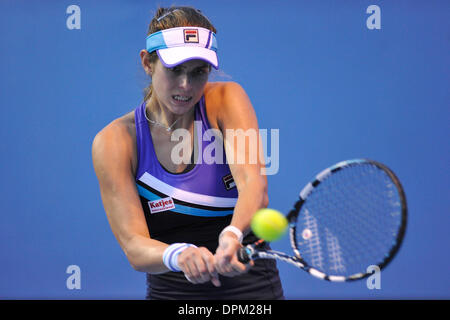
(352, 216)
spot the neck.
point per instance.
(161, 115)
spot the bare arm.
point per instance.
(237, 120)
(112, 151)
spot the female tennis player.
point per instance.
(183, 222)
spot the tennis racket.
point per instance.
(351, 216)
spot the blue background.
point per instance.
(335, 90)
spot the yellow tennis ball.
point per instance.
(269, 224)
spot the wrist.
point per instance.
(170, 255)
(235, 231)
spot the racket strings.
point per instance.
(349, 221)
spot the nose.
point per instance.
(184, 81)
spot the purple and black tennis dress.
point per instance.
(193, 207)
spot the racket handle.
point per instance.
(243, 255)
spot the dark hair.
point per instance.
(173, 17)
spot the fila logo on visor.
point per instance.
(190, 36)
(161, 205)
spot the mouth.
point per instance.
(179, 98)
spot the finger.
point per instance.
(184, 262)
(224, 262)
(190, 269)
(227, 256)
(205, 267)
(191, 273)
(225, 268)
(218, 261)
(210, 265)
(239, 266)
(222, 265)
(202, 267)
(235, 267)
(215, 281)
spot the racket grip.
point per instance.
(243, 255)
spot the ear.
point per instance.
(148, 67)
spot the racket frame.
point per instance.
(252, 251)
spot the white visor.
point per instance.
(177, 45)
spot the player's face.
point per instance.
(181, 87)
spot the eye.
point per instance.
(201, 71)
(176, 69)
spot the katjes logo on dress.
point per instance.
(160, 205)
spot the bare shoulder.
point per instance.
(116, 141)
(222, 91)
(121, 130)
(224, 99)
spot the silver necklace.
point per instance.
(159, 123)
